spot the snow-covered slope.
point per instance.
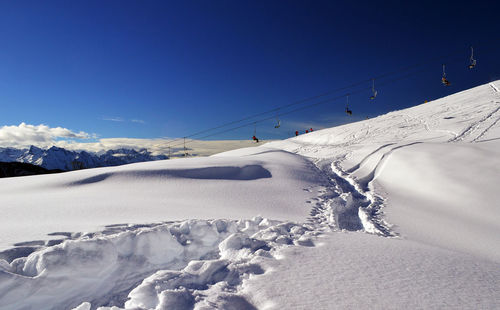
(399, 211)
(430, 161)
(62, 159)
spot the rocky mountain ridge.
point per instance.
(62, 159)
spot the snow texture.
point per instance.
(399, 211)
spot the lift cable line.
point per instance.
(401, 70)
(381, 76)
(330, 100)
(457, 59)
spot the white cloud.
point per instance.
(159, 146)
(41, 135)
(113, 119)
(140, 121)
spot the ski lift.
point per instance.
(374, 92)
(472, 63)
(443, 79)
(278, 124)
(347, 111)
(254, 138)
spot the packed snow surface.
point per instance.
(399, 211)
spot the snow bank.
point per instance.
(191, 263)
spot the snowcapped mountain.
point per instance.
(59, 158)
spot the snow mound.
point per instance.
(194, 263)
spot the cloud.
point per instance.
(121, 119)
(113, 119)
(158, 146)
(42, 135)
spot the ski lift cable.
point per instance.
(319, 103)
(296, 110)
(315, 104)
(381, 76)
(308, 99)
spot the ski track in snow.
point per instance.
(495, 89)
(487, 122)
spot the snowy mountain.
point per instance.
(398, 211)
(59, 158)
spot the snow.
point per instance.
(427, 187)
(399, 211)
(362, 271)
(270, 183)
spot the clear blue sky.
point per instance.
(172, 68)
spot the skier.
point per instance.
(296, 133)
(255, 139)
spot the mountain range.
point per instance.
(62, 159)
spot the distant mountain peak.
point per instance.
(63, 159)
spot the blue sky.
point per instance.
(153, 69)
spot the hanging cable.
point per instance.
(329, 100)
(381, 76)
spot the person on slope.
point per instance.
(254, 138)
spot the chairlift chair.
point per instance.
(443, 79)
(254, 138)
(278, 123)
(472, 63)
(347, 111)
(374, 92)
